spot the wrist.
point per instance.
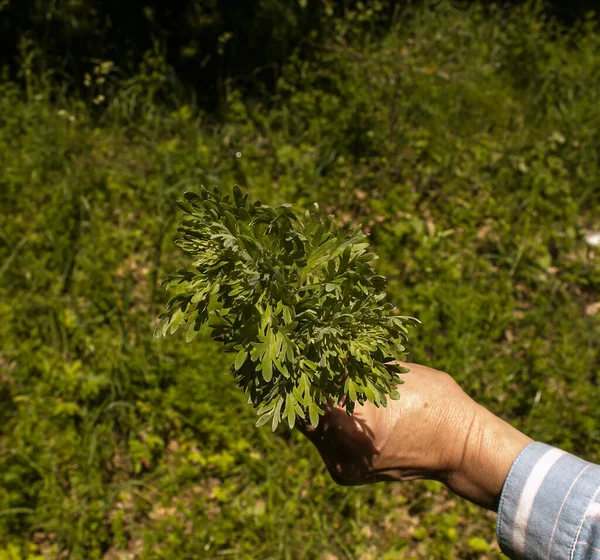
(490, 448)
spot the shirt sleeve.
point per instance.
(550, 507)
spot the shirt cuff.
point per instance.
(544, 502)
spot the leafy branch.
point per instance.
(294, 297)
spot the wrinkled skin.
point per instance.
(434, 431)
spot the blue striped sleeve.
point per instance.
(550, 507)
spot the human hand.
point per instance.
(434, 431)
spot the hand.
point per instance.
(434, 431)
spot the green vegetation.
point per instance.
(466, 143)
(297, 300)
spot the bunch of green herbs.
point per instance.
(296, 300)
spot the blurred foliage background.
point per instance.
(464, 137)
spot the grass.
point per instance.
(464, 141)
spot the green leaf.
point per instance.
(200, 295)
(351, 388)
(191, 333)
(267, 369)
(241, 357)
(161, 328)
(287, 316)
(176, 319)
(313, 411)
(263, 420)
(370, 394)
(289, 411)
(310, 364)
(277, 413)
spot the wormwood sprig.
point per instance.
(294, 297)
